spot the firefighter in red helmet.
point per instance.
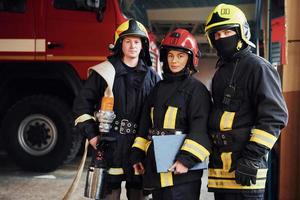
(179, 104)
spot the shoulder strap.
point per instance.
(107, 71)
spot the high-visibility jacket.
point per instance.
(179, 103)
(246, 122)
(130, 88)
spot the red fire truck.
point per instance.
(45, 50)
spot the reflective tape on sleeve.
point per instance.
(140, 143)
(195, 148)
(115, 171)
(147, 146)
(262, 137)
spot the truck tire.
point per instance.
(38, 133)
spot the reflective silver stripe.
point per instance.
(231, 184)
(115, 171)
(195, 148)
(263, 137)
(222, 173)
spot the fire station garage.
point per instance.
(46, 48)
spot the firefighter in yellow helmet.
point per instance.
(133, 80)
(248, 112)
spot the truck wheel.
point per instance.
(38, 133)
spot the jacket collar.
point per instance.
(242, 53)
(120, 68)
(234, 58)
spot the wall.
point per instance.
(289, 181)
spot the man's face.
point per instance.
(131, 47)
(224, 33)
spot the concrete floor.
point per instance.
(16, 184)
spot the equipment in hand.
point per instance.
(96, 183)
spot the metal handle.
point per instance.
(52, 45)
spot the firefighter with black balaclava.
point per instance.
(133, 81)
(179, 104)
(248, 112)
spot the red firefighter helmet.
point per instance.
(182, 39)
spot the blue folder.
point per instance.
(165, 149)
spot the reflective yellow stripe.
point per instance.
(83, 118)
(140, 143)
(166, 179)
(226, 160)
(151, 115)
(231, 184)
(115, 171)
(147, 146)
(195, 148)
(226, 121)
(170, 117)
(221, 173)
(263, 137)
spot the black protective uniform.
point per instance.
(245, 123)
(176, 103)
(131, 86)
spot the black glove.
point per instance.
(246, 172)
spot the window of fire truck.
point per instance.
(18, 6)
(72, 5)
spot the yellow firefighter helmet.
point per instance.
(132, 27)
(226, 16)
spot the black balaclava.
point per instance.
(227, 47)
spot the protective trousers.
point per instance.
(190, 191)
(114, 195)
(132, 191)
(238, 196)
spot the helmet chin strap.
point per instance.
(239, 45)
